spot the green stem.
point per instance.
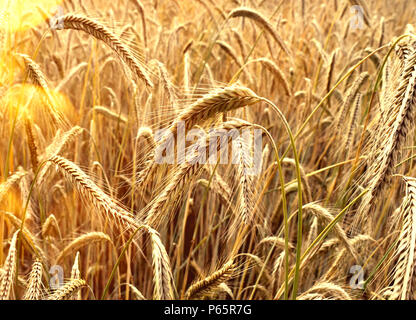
(299, 182)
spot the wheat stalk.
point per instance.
(229, 51)
(39, 79)
(206, 286)
(68, 290)
(11, 180)
(49, 224)
(34, 288)
(326, 290)
(60, 141)
(277, 72)
(101, 32)
(350, 98)
(32, 144)
(164, 288)
(81, 241)
(7, 279)
(109, 114)
(258, 18)
(403, 272)
(167, 83)
(246, 204)
(76, 274)
(141, 9)
(91, 191)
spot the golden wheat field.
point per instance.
(207, 149)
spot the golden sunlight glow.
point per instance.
(20, 15)
(32, 101)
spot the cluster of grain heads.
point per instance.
(326, 217)
(30, 241)
(155, 212)
(35, 289)
(181, 63)
(391, 136)
(210, 105)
